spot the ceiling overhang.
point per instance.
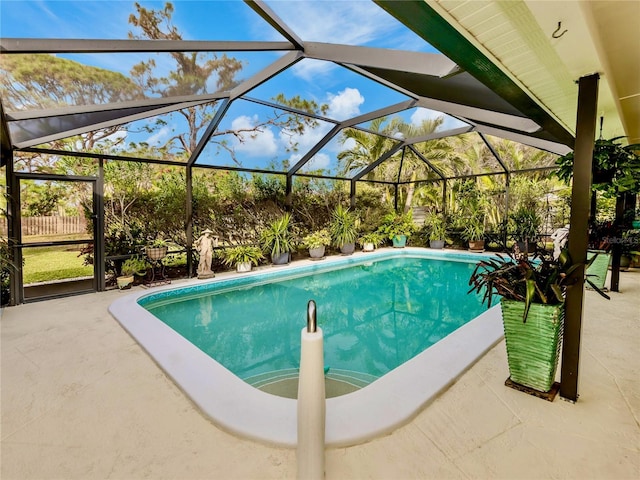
(532, 53)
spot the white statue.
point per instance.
(560, 238)
(204, 245)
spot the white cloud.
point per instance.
(345, 104)
(158, 138)
(422, 114)
(310, 69)
(260, 143)
(349, 144)
(352, 22)
(319, 161)
(308, 139)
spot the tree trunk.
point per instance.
(411, 187)
(616, 246)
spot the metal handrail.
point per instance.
(312, 324)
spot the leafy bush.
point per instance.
(242, 254)
(344, 226)
(395, 224)
(276, 237)
(320, 238)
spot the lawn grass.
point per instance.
(45, 264)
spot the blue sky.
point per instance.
(352, 22)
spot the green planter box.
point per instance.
(399, 241)
(533, 347)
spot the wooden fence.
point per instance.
(49, 225)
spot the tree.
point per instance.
(368, 147)
(30, 81)
(196, 73)
(40, 199)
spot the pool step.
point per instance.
(357, 379)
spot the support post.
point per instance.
(352, 195)
(289, 194)
(507, 183)
(616, 247)
(98, 241)
(444, 197)
(189, 219)
(579, 232)
(395, 197)
(14, 233)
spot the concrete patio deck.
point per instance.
(82, 400)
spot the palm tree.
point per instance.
(368, 147)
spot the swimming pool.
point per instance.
(407, 377)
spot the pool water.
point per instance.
(375, 316)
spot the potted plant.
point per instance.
(437, 228)
(130, 267)
(344, 229)
(316, 242)
(397, 227)
(532, 291)
(243, 257)
(276, 240)
(630, 247)
(615, 171)
(524, 224)
(370, 241)
(473, 233)
(156, 250)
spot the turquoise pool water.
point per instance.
(375, 316)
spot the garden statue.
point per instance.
(560, 238)
(204, 245)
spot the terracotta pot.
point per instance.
(476, 245)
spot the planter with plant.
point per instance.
(344, 229)
(243, 257)
(532, 291)
(156, 250)
(370, 241)
(6, 266)
(470, 213)
(473, 233)
(524, 225)
(615, 173)
(276, 240)
(130, 267)
(316, 242)
(397, 227)
(437, 229)
(630, 248)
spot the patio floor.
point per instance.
(81, 400)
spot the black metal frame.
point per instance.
(15, 219)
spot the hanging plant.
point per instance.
(616, 169)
